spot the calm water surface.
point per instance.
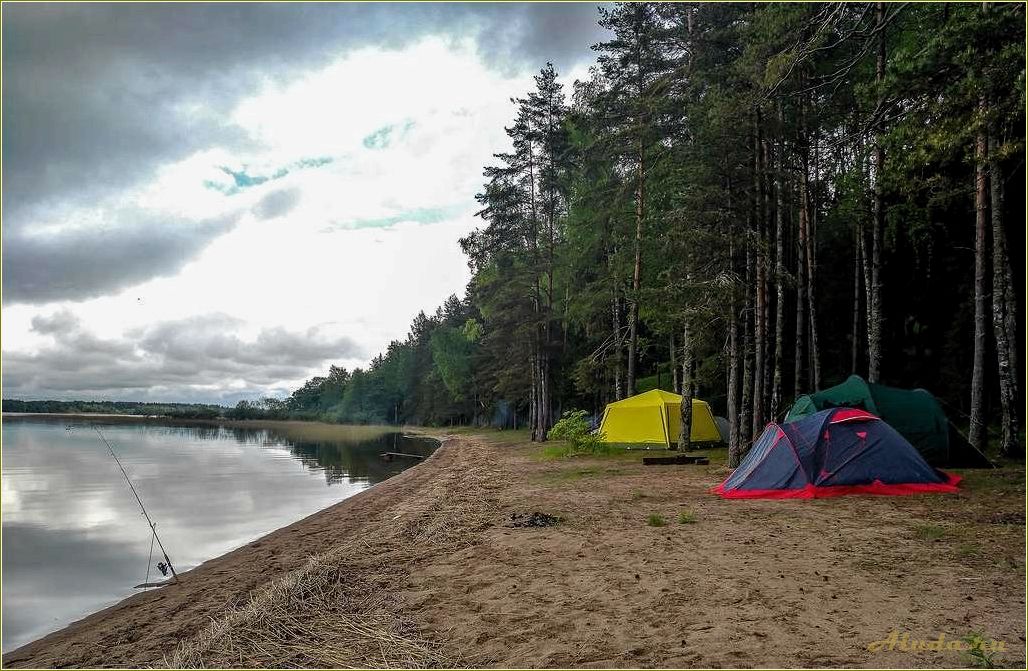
(74, 540)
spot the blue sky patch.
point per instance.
(421, 215)
(386, 135)
(241, 179)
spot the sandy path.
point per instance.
(748, 583)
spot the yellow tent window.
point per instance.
(654, 418)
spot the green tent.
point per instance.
(915, 413)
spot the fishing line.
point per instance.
(153, 525)
(149, 559)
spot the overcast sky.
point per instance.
(215, 202)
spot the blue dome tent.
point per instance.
(830, 453)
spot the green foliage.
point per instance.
(980, 652)
(655, 520)
(451, 354)
(426, 379)
(686, 517)
(929, 532)
(573, 428)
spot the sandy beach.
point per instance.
(429, 569)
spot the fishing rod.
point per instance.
(153, 525)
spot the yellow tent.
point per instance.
(655, 418)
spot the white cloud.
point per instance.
(363, 238)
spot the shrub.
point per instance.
(929, 532)
(686, 517)
(573, 428)
(655, 520)
(980, 652)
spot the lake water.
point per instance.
(74, 540)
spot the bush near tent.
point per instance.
(831, 453)
(915, 413)
(654, 419)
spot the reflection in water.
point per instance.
(74, 539)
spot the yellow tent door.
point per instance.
(654, 418)
(704, 428)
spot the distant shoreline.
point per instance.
(240, 423)
(80, 414)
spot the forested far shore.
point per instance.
(742, 203)
(746, 202)
(138, 408)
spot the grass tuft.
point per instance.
(686, 517)
(929, 532)
(655, 520)
(968, 550)
(981, 653)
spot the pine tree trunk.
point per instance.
(685, 429)
(800, 344)
(534, 417)
(675, 386)
(564, 320)
(776, 384)
(874, 317)
(865, 262)
(544, 399)
(857, 262)
(976, 431)
(533, 404)
(759, 338)
(810, 251)
(815, 361)
(734, 354)
(800, 359)
(615, 314)
(760, 311)
(619, 392)
(745, 403)
(633, 323)
(765, 383)
(1003, 307)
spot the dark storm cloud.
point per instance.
(176, 359)
(57, 324)
(89, 262)
(97, 96)
(277, 203)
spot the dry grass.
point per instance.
(327, 614)
(334, 612)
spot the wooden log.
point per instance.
(389, 456)
(676, 459)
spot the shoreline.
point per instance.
(41, 652)
(283, 426)
(436, 568)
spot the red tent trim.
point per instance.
(814, 492)
(850, 414)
